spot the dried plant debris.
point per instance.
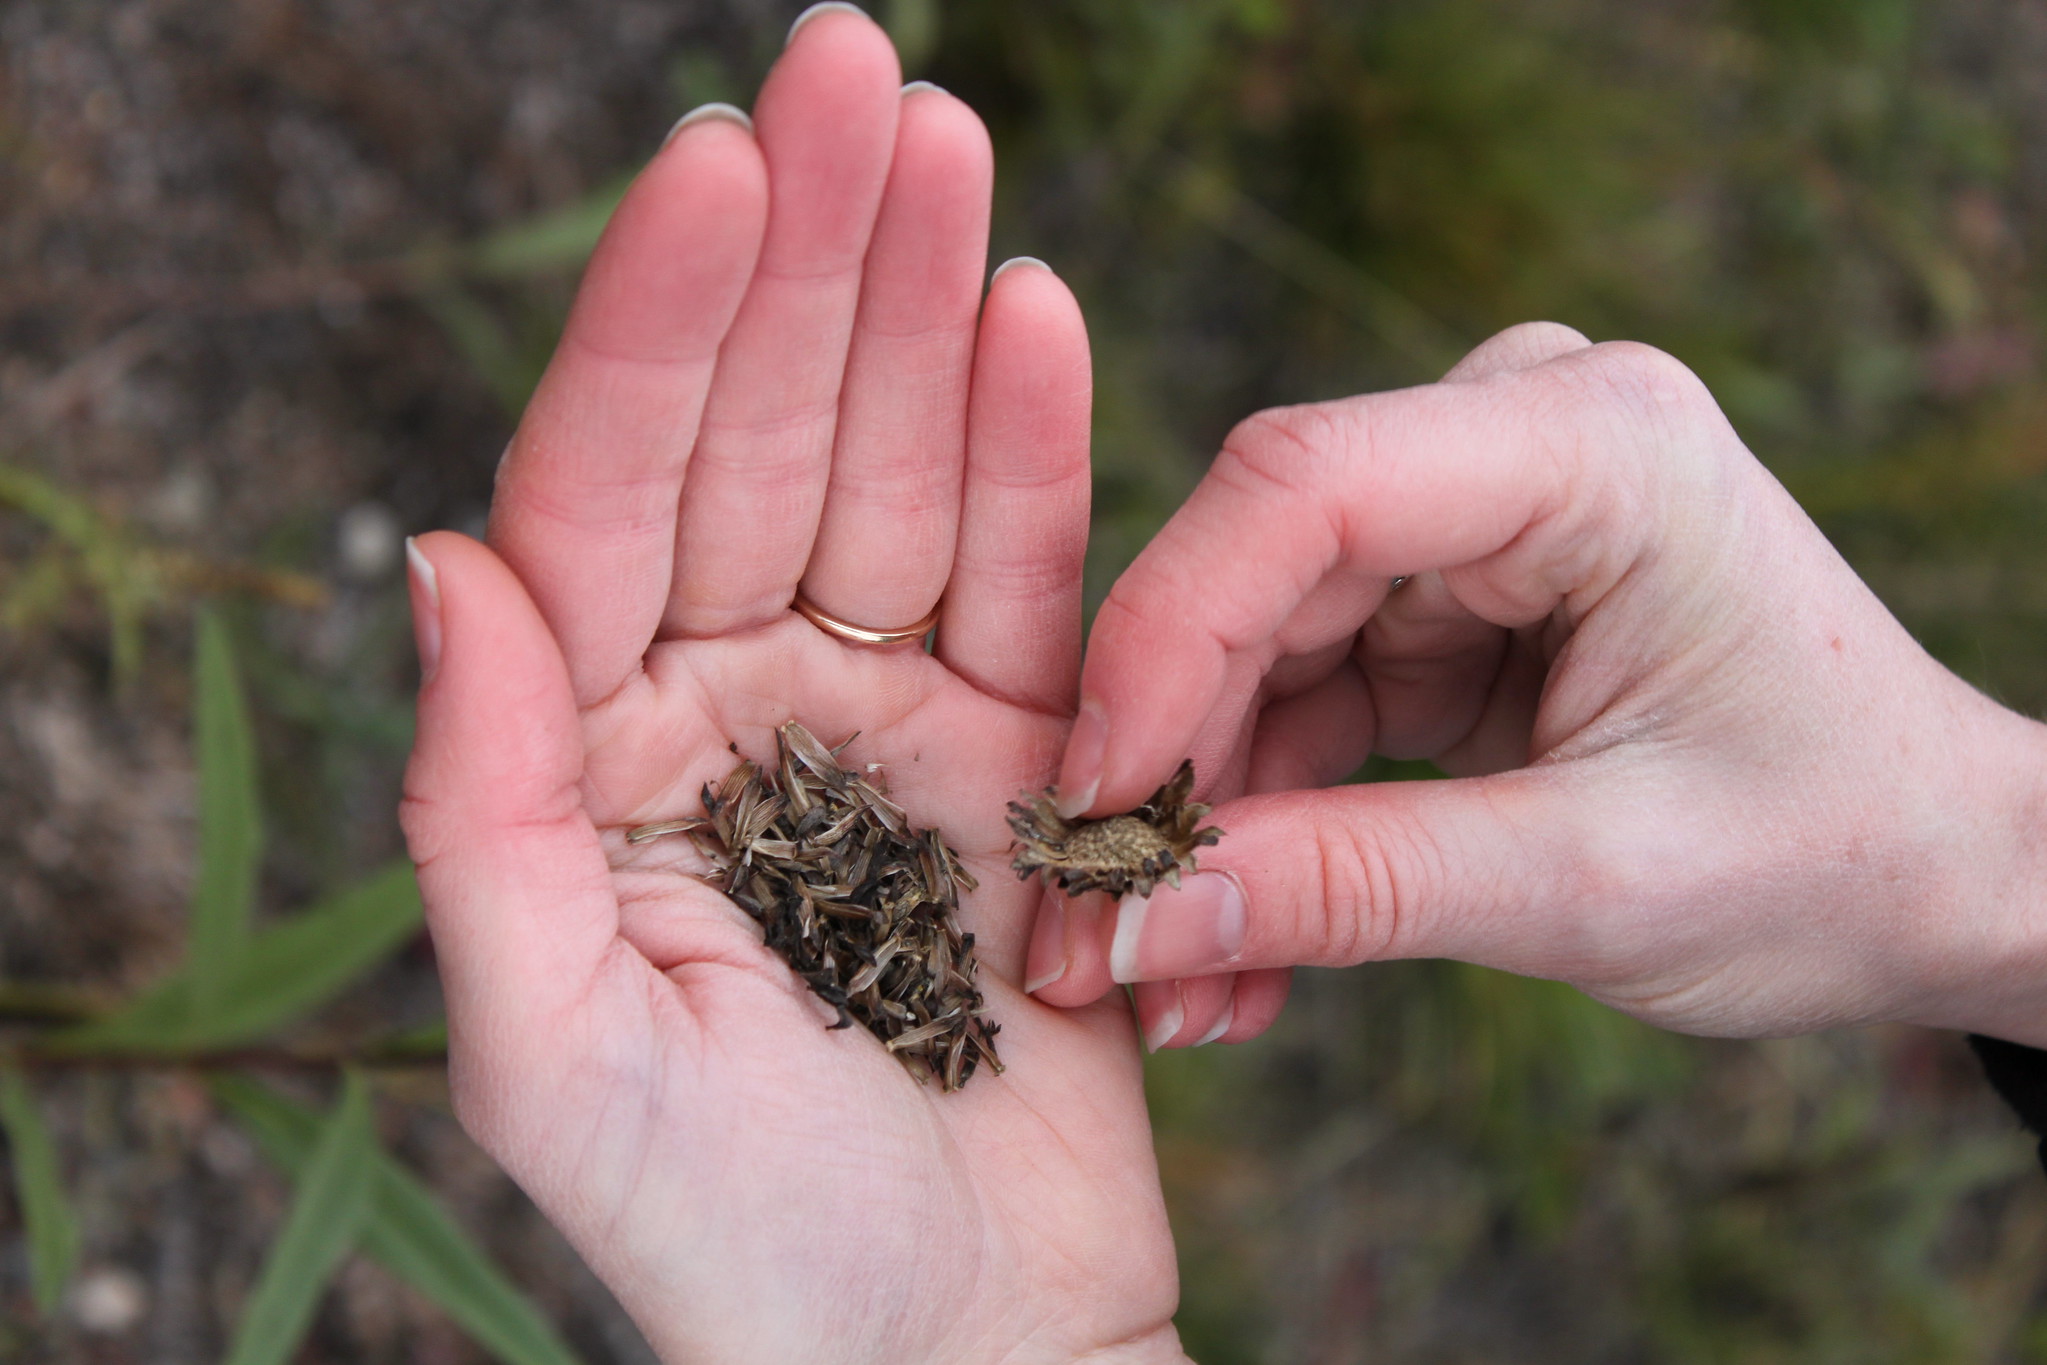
(1122, 853)
(862, 907)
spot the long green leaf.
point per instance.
(285, 972)
(332, 1203)
(411, 1236)
(230, 818)
(45, 1209)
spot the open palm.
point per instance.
(778, 375)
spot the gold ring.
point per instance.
(861, 635)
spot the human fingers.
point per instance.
(1195, 1010)
(827, 127)
(1423, 672)
(1316, 737)
(1520, 347)
(1067, 963)
(1489, 870)
(1183, 1013)
(1012, 609)
(1434, 669)
(1532, 491)
(585, 504)
(518, 892)
(884, 544)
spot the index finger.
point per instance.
(1507, 485)
(586, 499)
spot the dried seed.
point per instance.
(861, 907)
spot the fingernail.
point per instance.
(1012, 263)
(1081, 775)
(731, 113)
(921, 87)
(1221, 1025)
(816, 10)
(1046, 961)
(1189, 932)
(426, 609)
(1169, 1018)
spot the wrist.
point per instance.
(1984, 966)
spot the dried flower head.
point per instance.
(862, 907)
(1121, 853)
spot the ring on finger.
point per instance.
(858, 634)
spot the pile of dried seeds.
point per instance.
(862, 907)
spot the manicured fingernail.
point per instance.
(1081, 775)
(1221, 1026)
(426, 609)
(1160, 1002)
(1046, 961)
(1189, 932)
(922, 87)
(816, 10)
(1012, 263)
(731, 113)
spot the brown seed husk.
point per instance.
(1117, 853)
(861, 906)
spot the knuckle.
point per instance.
(1278, 444)
(1367, 875)
(1542, 337)
(1652, 387)
(1518, 347)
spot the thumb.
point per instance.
(518, 892)
(1485, 870)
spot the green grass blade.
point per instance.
(551, 243)
(125, 575)
(411, 1236)
(45, 1209)
(285, 972)
(230, 817)
(332, 1203)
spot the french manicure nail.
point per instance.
(922, 87)
(1013, 262)
(1168, 1021)
(1080, 778)
(426, 609)
(1189, 932)
(1046, 961)
(730, 112)
(816, 10)
(1221, 1026)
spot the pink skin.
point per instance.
(779, 370)
(1701, 773)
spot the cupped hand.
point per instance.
(1698, 770)
(779, 374)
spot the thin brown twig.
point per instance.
(226, 1059)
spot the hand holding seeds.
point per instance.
(1700, 771)
(640, 1032)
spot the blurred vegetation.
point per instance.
(1831, 210)
(244, 999)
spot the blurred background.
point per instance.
(275, 278)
